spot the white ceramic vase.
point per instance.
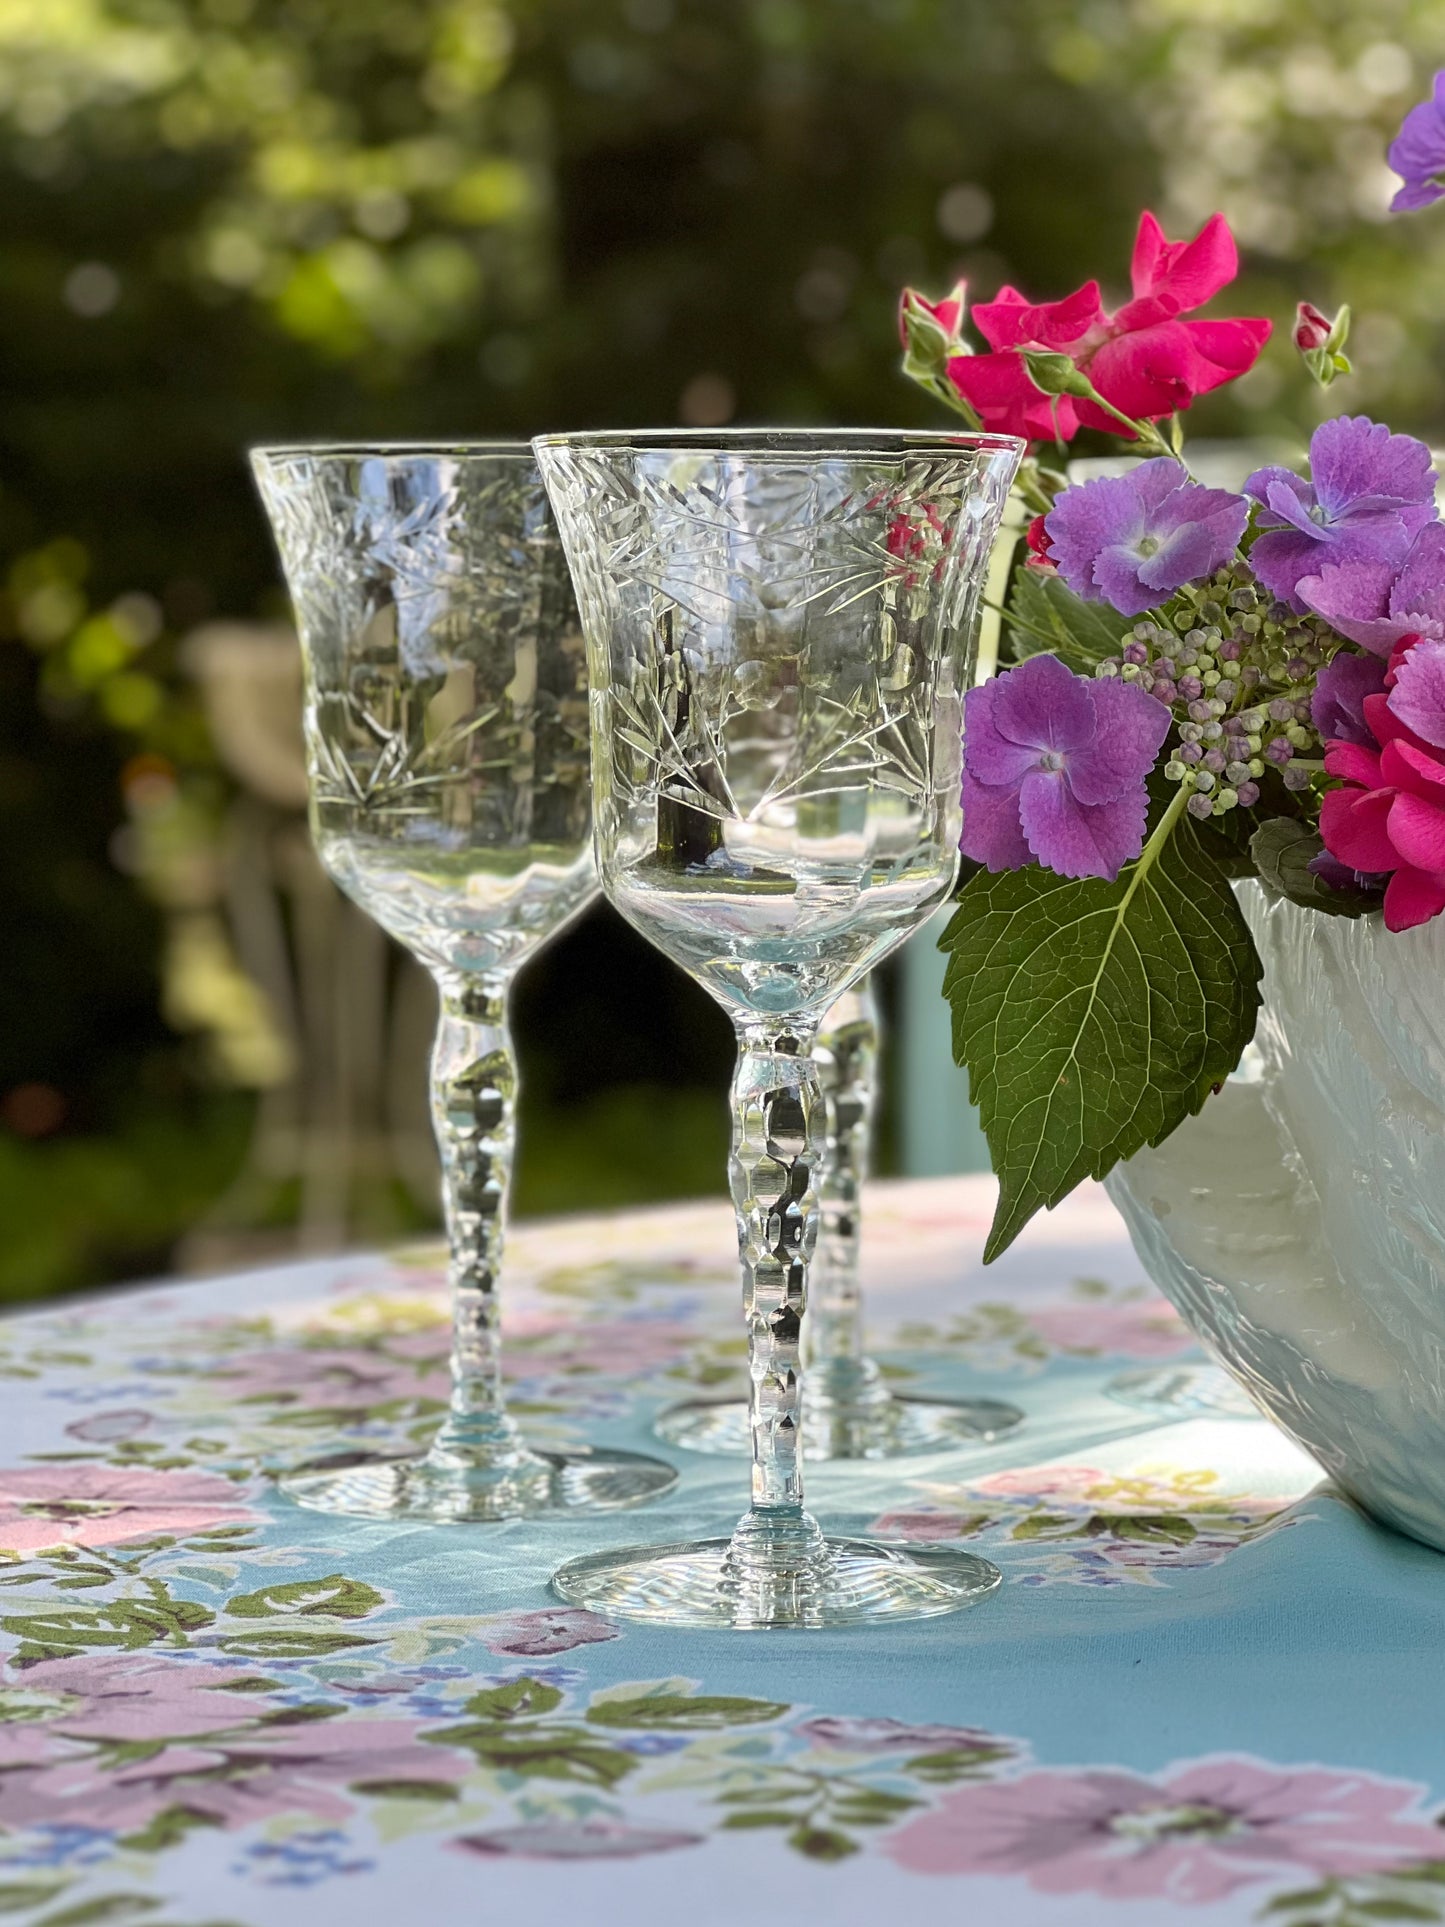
(1298, 1223)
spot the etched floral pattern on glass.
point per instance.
(779, 629)
(447, 744)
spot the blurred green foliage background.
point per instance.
(230, 220)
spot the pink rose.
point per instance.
(1144, 359)
(1388, 816)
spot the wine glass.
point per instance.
(850, 1411)
(447, 756)
(779, 626)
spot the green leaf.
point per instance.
(1301, 1897)
(758, 1817)
(822, 1843)
(1151, 1528)
(1045, 617)
(103, 1907)
(437, 1790)
(336, 1597)
(678, 1712)
(128, 1624)
(1225, 841)
(166, 1829)
(290, 1645)
(19, 1896)
(955, 1763)
(516, 1699)
(1386, 1909)
(538, 1752)
(1094, 1017)
(1283, 850)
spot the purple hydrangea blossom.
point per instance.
(1417, 152)
(1369, 492)
(1133, 540)
(1418, 697)
(1375, 603)
(1054, 770)
(1337, 708)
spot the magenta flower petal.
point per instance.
(1418, 698)
(1412, 897)
(1130, 728)
(1354, 825)
(1043, 704)
(1417, 831)
(1075, 839)
(992, 834)
(1182, 274)
(1356, 762)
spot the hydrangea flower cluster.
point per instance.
(1258, 661)
(1239, 672)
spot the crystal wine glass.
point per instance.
(779, 627)
(447, 752)
(850, 1411)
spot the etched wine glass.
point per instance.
(446, 735)
(779, 626)
(850, 1410)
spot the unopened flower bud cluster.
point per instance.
(1237, 669)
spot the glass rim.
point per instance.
(497, 449)
(784, 441)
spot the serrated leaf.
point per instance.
(700, 1712)
(1094, 1017)
(1283, 850)
(1045, 617)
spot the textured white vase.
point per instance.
(1298, 1223)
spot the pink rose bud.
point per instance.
(1311, 327)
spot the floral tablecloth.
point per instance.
(1207, 1690)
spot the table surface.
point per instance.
(1207, 1688)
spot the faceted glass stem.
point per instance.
(846, 1054)
(473, 1102)
(778, 1116)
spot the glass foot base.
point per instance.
(860, 1581)
(1183, 1391)
(429, 1488)
(886, 1428)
